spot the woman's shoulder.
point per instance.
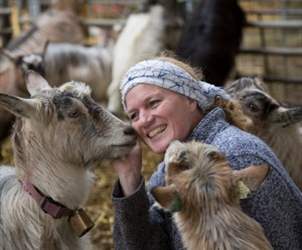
(238, 144)
(236, 141)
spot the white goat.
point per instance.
(60, 134)
(141, 38)
(273, 122)
(203, 191)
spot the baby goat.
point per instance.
(204, 192)
(60, 134)
(273, 122)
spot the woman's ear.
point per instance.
(193, 105)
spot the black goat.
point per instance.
(212, 38)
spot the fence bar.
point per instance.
(283, 24)
(272, 51)
(274, 11)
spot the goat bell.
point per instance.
(80, 222)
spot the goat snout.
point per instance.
(129, 131)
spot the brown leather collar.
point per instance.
(46, 203)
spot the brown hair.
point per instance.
(169, 56)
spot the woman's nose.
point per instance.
(146, 118)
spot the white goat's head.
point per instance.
(260, 106)
(65, 124)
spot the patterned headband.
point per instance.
(172, 77)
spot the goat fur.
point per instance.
(59, 136)
(275, 123)
(210, 216)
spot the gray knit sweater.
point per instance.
(276, 205)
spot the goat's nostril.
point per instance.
(129, 131)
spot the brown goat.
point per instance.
(275, 123)
(203, 190)
(60, 135)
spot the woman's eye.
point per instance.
(154, 103)
(74, 114)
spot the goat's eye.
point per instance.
(252, 107)
(74, 114)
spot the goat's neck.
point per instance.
(216, 227)
(287, 144)
(64, 182)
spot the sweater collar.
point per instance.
(209, 126)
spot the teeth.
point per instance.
(156, 131)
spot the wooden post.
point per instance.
(14, 18)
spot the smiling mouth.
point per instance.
(156, 131)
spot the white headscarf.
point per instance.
(172, 77)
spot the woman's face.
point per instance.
(160, 116)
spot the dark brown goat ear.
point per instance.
(167, 197)
(252, 176)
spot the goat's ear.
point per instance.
(252, 176)
(35, 83)
(167, 197)
(216, 155)
(19, 106)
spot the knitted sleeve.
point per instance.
(137, 226)
(276, 205)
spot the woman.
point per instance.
(165, 101)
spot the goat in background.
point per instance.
(62, 62)
(140, 39)
(212, 38)
(202, 190)
(59, 136)
(59, 62)
(144, 36)
(60, 23)
(273, 122)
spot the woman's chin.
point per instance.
(158, 148)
